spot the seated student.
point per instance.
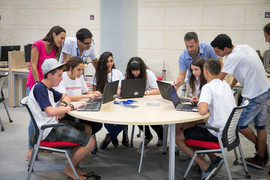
(74, 86)
(42, 101)
(137, 69)
(212, 94)
(196, 81)
(105, 73)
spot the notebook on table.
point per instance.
(109, 94)
(132, 88)
(163, 88)
(178, 105)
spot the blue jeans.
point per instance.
(114, 130)
(30, 126)
(256, 111)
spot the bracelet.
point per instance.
(147, 92)
(64, 103)
(72, 107)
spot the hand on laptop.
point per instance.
(177, 85)
(93, 96)
(78, 104)
(97, 93)
(194, 100)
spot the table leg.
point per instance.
(140, 166)
(172, 152)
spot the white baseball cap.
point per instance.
(50, 64)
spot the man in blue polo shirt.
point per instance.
(194, 49)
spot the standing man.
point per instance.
(193, 49)
(244, 64)
(266, 31)
(81, 46)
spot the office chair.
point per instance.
(2, 99)
(229, 141)
(53, 146)
(157, 67)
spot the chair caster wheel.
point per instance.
(138, 135)
(32, 169)
(10, 120)
(248, 176)
(236, 162)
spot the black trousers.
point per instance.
(157, 128)
(94, 125)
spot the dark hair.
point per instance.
(136, 63)
(198, 61)
(266, 28)
(101, 75)
(213, 66)
(53, 71)
(49, 38)
(191, 35)
(83, 34)
(73, 62)
(222, 41)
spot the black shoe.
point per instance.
(218, 162)
(115, 142)
(257, 161)
(105, 142)
(146, 141)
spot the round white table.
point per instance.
(142, 114)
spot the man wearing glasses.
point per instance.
(81, 46)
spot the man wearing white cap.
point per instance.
(42, 102)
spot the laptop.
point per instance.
(163, 88)
(177, 104)
(109, 94)
(132, 88)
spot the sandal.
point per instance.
(92, 175)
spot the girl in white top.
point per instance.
(196, 82)
(74, 86)
(105, 73)
(137, 69)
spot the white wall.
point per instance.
(162, 23)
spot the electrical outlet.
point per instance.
(267, 14)
(92, 17)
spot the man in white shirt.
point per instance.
(245, 65)
(81, 46)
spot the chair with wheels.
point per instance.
(53, 146)
(2, 99)
(229, 141)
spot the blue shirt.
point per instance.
(205, 51)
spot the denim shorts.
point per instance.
(256, 111)
(71, 132)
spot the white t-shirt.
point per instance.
(72, 87)
(219, 97)
(197, 91)
(151, 81)
(245, 65)
(71, 47)
(114, 75)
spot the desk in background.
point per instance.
(18, 72)
(165, 113)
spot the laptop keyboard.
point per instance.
(92, 105)
(185, 106)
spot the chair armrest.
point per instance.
(52, 125)
(208, 127)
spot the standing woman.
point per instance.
(105, 73)
(74, 86)
(137, 69)
(48, 47)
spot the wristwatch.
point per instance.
(64, 102)
(72, 107)
(147, 92)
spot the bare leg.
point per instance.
(180, 141)
(261, 142)
(77, 156)
(249, 134)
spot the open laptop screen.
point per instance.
(174, 96)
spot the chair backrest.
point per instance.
(34, 137)
(230, 135)
(266, 59)
(2, 79)
(157, 67)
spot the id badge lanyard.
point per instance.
(79, 54)
(111, 74)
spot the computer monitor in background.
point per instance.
(4, 53)
(27, 52)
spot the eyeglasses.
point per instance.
(88, 42)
